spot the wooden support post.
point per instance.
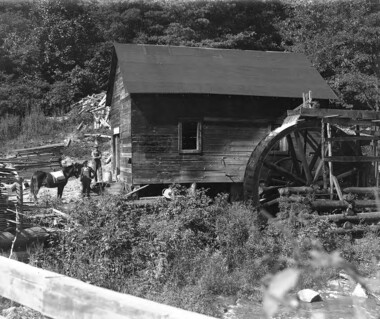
(293, 154)
(301, 155)
(337, 187)
(323, 148)
(20, 203)
(329, 150)
(375, 141)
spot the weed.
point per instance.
(191, 249)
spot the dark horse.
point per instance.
(40, 179)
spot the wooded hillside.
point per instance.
(54, 52)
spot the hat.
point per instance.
(168, 193)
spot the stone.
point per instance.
(360, 292)
(309, 295)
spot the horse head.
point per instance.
(77, 169)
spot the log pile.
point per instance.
(96, 105)
(7, 176)
(350, 209)
(27, 161)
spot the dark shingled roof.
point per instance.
(169, 69)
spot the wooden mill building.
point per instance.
(184, 115)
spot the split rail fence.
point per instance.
(58, 296)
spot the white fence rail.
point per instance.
(58, 296)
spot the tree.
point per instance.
(342, 39)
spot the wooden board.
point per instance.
(58, 296)
(341, 113)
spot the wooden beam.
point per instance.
(329, 152)
(316, 155)
(347, 114)
(234, 120)
(301, 155)
(50, 146)
(352, 138)
(337, 187)
(58, 296)
(355, 218)
(284, 172)
(98, 135)
(136, 190)
(297, 190)
(324, 204)
(362, 190)
(293, 154)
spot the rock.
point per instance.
(344, 276)
(7, 312)
(359, 291)
(309, 295)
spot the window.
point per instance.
(190, 136)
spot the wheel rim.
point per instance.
(300, 164)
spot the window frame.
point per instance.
(198, 149)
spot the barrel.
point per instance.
(107, 177)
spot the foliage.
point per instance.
(53, 53)
(341, 38)
(188, 251)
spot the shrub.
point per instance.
(191, 249)
(9, 126)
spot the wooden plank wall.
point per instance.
(232, 126)
(120, 117)
(125, 140)
(117, 92)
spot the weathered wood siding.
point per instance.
(120, 117)
(125, 140)
(118, 93)
(232, 126)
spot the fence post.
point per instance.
(19, 205)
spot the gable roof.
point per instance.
(171, 69)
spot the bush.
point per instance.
(188, 250)
(9, 127)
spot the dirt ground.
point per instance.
(72, 191)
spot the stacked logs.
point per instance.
(7, 177)
(96, 105)
(351, 209)
(27, 161)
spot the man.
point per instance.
(97, 157)
(86, 175)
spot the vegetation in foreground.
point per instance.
(189, 251)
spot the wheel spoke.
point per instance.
(317, 154)
(293, 154)
(301, 155)
(284, 172)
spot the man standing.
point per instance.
(97, 157)
(86, 175)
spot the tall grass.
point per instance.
(31, 130)
(9, 126)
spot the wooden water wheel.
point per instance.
(298, 156)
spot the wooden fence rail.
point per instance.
(58, 296)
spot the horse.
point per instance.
(40, 178)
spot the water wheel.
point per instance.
(290, 156)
